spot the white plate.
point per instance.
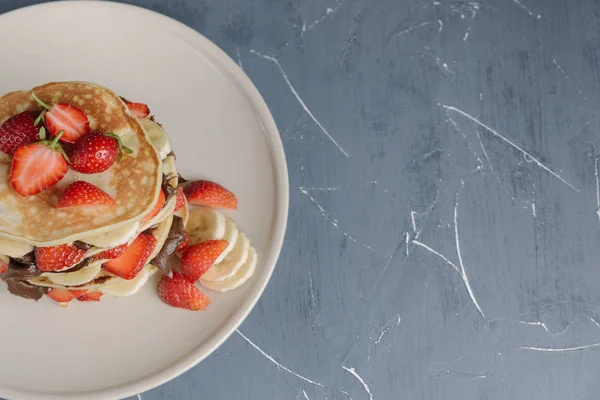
(221, 130)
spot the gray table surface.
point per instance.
(444, 229)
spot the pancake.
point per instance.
(134, 182)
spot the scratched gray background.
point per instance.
(444, 234)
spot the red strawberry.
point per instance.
(110, 254)
(180, 199)
(17, 131)
(78, 293)
(3, 267)
(67, 118)
(207, 193)
(83, 194)
(61, 117)
(139, 110)
(60, 295)
(155, 210)
(179, 292)
(91, 296)
(183, 245)
(198, 258)
(96, 152)
(134, 258)
(37, 166)
(59, 257)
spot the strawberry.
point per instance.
(83, 194)
(139, 110)
(198, 258)
(180, 199)
(61, 295)
(78, 293)
(17, 131)
(91, 296)
(156, 209)
(134, 258)
(179, 292)
(110, 254)
(207, 193)
(59, 257)
(96, 152)
(183, 245)
(65, 118)
(37, 166)
(3, 268)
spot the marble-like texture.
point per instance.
(444, 230)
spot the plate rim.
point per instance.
(278, 228)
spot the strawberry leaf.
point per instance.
(40, 102)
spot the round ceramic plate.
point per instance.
(220, 130)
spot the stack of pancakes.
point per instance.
(27, 223)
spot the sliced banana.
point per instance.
(232, 262)
(14, 249)
(231, 235)
(76, 278)
(157, 136)
(122, 287)
(238, 279)
(206, 223)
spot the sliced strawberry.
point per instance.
(83, 194)
(198, 258)
(139, 110)
(59, 257)
(17, 131)
(96, 152)
(156, 209)
(77, 293)
(179, 292)
(3, 268)
(110, 254)
(183, 245)
(180, 199)
(37, 166)
(134, 258)
(91, 296)
(67, 118)
(60, 295)
(207, 193)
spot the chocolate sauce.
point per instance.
(174, 239)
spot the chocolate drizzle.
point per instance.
(174, 239)
(19, 273)
(166, 186)
(80, 265)
(82, 245)
(182, 179)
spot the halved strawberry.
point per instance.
(84, 194)
(17, 131)
(198, 258)
(60, 295)
(156, 209)
(183, 245)
(91, 296)
(207, 193)
(54, 258)
(37, 166)
(110, 254)
(179, 292)
(3, 268)
(78, 293)
(180, 199)
(61, 117)
(134, 258)
(139, 110)
(96, 152)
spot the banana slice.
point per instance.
(122, 287)
(76, 278)
(232, 262)
(157, 136)
(115, 237)
(14, 249)
(206, 223)
(231, 235)
(238, 279)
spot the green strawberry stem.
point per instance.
(122, 147)
(54, 145)
(40, 102)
